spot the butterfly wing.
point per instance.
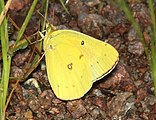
(74, 61)
(67, 69)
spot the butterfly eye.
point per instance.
(82, 42)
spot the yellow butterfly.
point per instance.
(75, 61)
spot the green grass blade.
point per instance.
(153, 41)
(6, 62)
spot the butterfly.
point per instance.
(74, 61)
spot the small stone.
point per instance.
(151, 100)
(16, 5)
(77, 7)
(97, 92)
(147, 76)
(20, 58)
(119, 79)
(121, 28)
(92, 3)
(91, 24)
(62, 27)
(16, 72)
(76, 108)
(46, 99)
(115, 106)
(100, 102)
(136, 48)
(141, 94)
(95, 113)
(33, 83)
(34, 104)
(132, 35)
(28, 115)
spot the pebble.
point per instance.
(136, 48)
(147, 76)
(28, 114)
(92, 3)
(119, 79)
(16, 72)
(91, 24)
(76, 108)
(32, 82)
(77, 7)
(132, 35)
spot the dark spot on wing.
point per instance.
(82, 42)
(70, 66)
(81, 56)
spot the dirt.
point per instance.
(127, 93)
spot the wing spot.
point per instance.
(82, 42)
(81, 56)
(91, 65)
(97, 62)
(73, 85)
(105, 44)
(70, 66)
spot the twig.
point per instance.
(5, 10)
(9, 98)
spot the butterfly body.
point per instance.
(75, 60)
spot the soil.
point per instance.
(127, 93)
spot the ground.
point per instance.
(126, 93)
